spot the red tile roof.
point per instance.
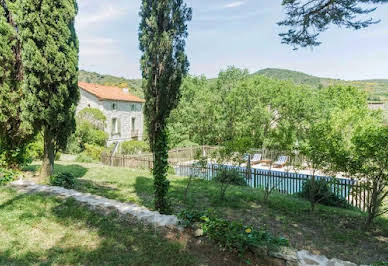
(109, 93)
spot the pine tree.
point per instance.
(308, 18)
(14, 132)
(50, 62)
(162, 34)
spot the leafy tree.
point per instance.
(308, 18)
(50, 57)
(162, 34)
(15, 133)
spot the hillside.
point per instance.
(377, 89)
(92, 77)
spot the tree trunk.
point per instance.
(159, 171)
(48, 155)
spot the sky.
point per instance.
(242, 33)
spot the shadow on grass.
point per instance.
(78, 171)
(97, 188)
(118, 242)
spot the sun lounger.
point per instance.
(256, 158)
(281, 162)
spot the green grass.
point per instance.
(44, 230)
(330, 231)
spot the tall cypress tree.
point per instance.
(162, 34)
(50, 58)
(14, 132)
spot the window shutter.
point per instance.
(118, 125)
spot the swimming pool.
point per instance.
(283, 182)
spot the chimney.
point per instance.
(126, 90)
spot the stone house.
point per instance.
(124, 111)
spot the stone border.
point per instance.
(94, 202)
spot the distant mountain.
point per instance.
(377, 88)
(134, 85)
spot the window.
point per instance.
(133, 123)
(115, 126)
(114, 106)
(133, 107)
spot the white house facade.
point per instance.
(124, 111)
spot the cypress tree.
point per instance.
(50, 58)
(14, 132)
(162, 34)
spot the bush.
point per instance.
(231, 235)
(226, 177)
(93, 151)
(7, 176)
(134, 146)
(320, 191)
(87, 134)
(186, 143)
(35, 149)
(66, 180)
(83, 158)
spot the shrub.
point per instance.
(134, 146)
(320, 191)
(65, 180)
(233, 236)
(93, 151)
(7, 176)
(186, 143)
(226, 177)
(87, 134)
(83, 158)
(35, 150)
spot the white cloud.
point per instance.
(106, 13)
(234, 4)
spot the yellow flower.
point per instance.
(248, 230)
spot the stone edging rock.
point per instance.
(94, 202)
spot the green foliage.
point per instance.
(66, 180)
(35, 148)
(320, 191)
(226, 177)
(307, 19)
(233, 236)
(90, 130)
(93, 116)
(7, 176)
(367, 161)
(236, 237)
(93, 151)
(15, 131)
(162, 34)
(83, 158)
(134, 147)
(50, 71)
(91, 154)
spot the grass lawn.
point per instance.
(330, 231)
(39, 229)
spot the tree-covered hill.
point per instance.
(92, 77)
(377, 88)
